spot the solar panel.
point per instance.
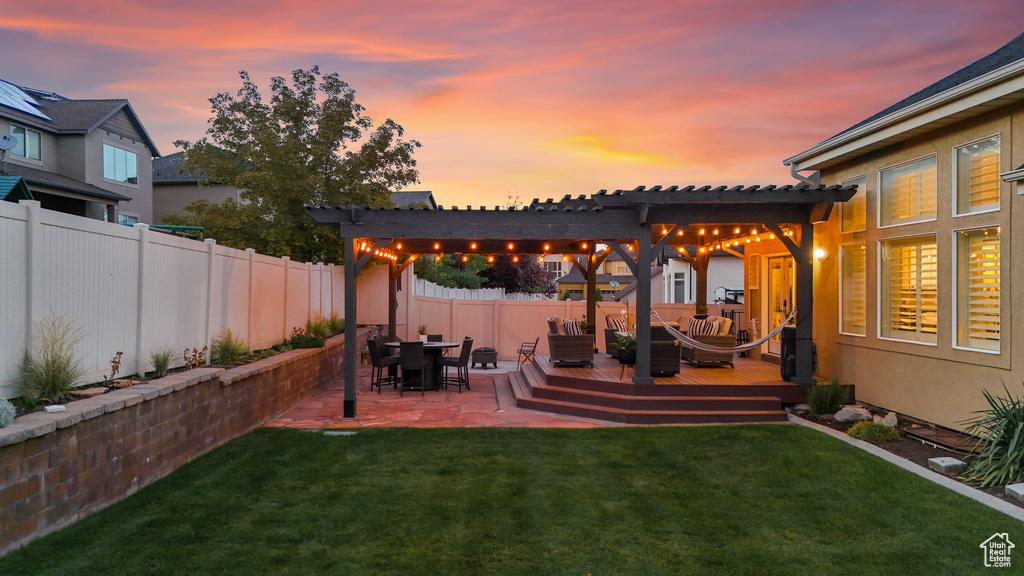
(14, 97)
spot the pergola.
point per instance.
(636, 224)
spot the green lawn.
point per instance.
(771, 499)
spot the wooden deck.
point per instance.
(752, 392)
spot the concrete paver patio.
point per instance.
(477, 407)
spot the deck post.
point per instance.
(351, 344)
(591, 290)
(643, 307)
(805, 307)
(392, 300)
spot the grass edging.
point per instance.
(989, 500)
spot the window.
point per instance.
(854, 212)
(907, 193)
(976, 184)
(120, 165)
(28, 142)
(852, 288)
(977, 288)
(909, 289)
(127, 220)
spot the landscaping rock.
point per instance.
(878, 419)
(55, 408)
(852, 414)
(946, 465)
(1015, 491)
(890, 420)
(801, 408)
(89, 392)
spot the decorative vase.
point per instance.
(423, 338)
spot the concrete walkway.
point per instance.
(488, 403)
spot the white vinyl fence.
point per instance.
(429, 289)
(134, 290)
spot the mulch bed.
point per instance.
(910, 448)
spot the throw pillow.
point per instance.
(725, 327)
(701, 327)
(618, 323)
(573, 328)
(558, 324)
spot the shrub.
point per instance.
(319, 327)
(625, 343)
(230, 350)
(874, 432)
(161, 361)
(266, 353)
(1001, 429)
(827, 398)
(299, 340)
(6, 413)
(50, 376)
(336, 323)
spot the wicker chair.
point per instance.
(696, 357)
(665, 352)
(569, 349)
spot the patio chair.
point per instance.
(435, 337)
(461, 365)
(614, 324)
(526, 352)
(696, 357)
(379, 363)
(576, 349)
(412, 361)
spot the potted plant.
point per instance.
(626, 349)
(423, 332)
(701, 311)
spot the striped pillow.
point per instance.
(617, 323)
(572, 327)
(702, 327)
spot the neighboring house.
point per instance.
(914, 276)
(173, 190)
(84, 157)
(556, 265)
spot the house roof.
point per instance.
(991, 67)
(52, 180)
(407, 198)
(165, 170)
(576, 277)
(13, 188)
(74, 116)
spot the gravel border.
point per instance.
(989, 500)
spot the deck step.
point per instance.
(531, 395)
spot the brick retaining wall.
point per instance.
(58, 468)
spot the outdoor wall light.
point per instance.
(820, 254)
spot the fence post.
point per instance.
(140, 326)
(33, 267)
(248, 316)
(211, 246)
(284, 314)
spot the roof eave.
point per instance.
(808, 159)
(1013, 175)
(135, 120)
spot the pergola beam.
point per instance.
(627, 257)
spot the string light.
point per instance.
(465, 258)
(584, 246)
(437, 258)
(715, 232)
(664, 231)
(737, 231)
(565, 258)
(490, 258)
(398, 246)
(540, 259)
(437, 246)
(701, 249)
(701, 232)
(472, 246)
(753, 230)
(515, 259)
(547, 247)
(680, 233)
(771, 236)
(511, 246)
(629, 247)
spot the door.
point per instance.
(681, 292)
(781, 296)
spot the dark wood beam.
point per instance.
(821, 212)
(655, 250)
(643, 308)
(742, 214)
(788, 242)
(349, 253)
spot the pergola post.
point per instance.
(591, 290)
(805, 307)
(643, 307)
(351, 342)
(392, 300)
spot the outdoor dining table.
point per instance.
(432, 352)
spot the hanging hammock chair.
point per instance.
(709, 348)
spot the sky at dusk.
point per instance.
(528, 98)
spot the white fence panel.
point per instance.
(13, 291)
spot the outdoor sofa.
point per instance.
(577, 349)
(723, 336)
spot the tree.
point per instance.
(310, 144)
(452, 272)
(526, 275)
